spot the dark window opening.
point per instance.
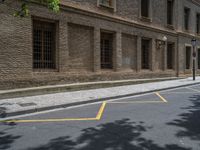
(198, 59)
(106, 50)
(145, 8)
(43, 45)
(106, 3)
(145, 53)
(170, 56)
(170, 12)
(198, 23)
(186, 18)
(188, 57)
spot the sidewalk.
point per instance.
(29, 104)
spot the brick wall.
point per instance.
(80, 48)
(129, 49)
(78, 43)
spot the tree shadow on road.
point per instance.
(119, 135)
(6, 139)
(189, 121)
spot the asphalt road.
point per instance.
(166, 120)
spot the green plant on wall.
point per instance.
(24, 10)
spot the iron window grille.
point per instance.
(188, 57)
(170, 56)
(108, 3)
(186, 18)
(170, 4)
(198, 58)
(145, 8)
(106, 50)
(198, 23)
(44, 39)
(145, 53)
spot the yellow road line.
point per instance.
(98, 117)
(162, 98)
(101, 110)
(179, 92)
(136, 102)
(193, 89)
(49, 120)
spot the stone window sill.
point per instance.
(186, 31)
(198, 34)
(169, 26)
(170, 70)
(145, 19)
(106, 6)
(44, 70)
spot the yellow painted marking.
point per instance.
(136, 102)
(101, 110)
(98, 117)
(193, 89)
(50, 120)
(162, 98)
(178, 92)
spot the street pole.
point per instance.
(193, 41)
(194, 56)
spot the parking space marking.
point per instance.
(193, 89)
(101, 110)
(98, 117)
(136, 102)
(178, 92)
(141, 101)
(162, 98)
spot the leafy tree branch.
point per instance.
(24, 10)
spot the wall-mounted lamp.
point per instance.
(161, 43)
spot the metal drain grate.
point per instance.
(26, 104)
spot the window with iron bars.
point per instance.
(44, 39)
(145, 8)
(108, 3)
(170, 56)
(106, 50)
(188, 58)
(186, 18)
(145, 53)
(170, 4)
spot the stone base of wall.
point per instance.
(41, 79)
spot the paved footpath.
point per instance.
(16, 106)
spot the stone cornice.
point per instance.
(116, 19)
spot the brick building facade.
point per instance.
(90, 40)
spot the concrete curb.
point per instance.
(4, 115)
(75, 87)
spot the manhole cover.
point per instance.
(26, 104)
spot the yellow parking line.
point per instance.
(98, 117)
(193, 89)
(101, 110)
(136, 102)
(178, 92)
(49, 120)
(162, 98)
